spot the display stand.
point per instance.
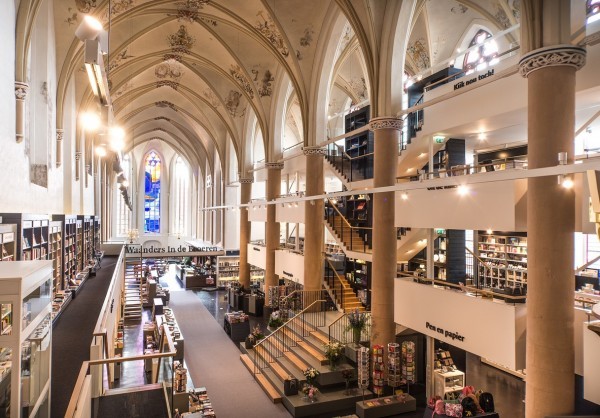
(26, 337)
(386, 406)
(448, 385)
(394, 374)
(8, 245)
(378, 370)
(408, 362)
(237, 326)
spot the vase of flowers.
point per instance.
(347, 375)
(334, 352)
(357, 322)
(275, 320)
(310, 393)
(311, 375)
(254, 337)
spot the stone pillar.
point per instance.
(77, 164)
(21, 90)
(245, 231)
(272, 227)
(387, 133)
(550, 385)
(313, 219)
(59, 138)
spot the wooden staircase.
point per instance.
(347, 235)
(132, 310)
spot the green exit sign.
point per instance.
(438, 139)
(440, 231)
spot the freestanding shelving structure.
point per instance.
(25, 338)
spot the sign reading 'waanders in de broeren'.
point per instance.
(159, 250)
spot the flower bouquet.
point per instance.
(310, 393)
(357, 322)
(334, 352)
(347, 375)
(275, 320)
(254, 337)
(311, 374)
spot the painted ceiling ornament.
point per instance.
(501, 17)
(165, 104)
(72, 17)
(212, 98)
(188, 10)
(359, 87)
(347, 36)
(162, 118)
(173, 84)
(121, 56)
(459, 8)
(123, 89)
(169, 69)
(85, 6)
(307, 39)
(239, 76)
(418, 53)
(268, 29)
(515, 7)
(181, 42)
(232, 103)
(265, 85)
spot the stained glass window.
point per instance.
(152, 193)
(486, 53)
(592, 10)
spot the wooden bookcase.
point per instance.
(505, 258)
(55, 251)
(79, 245)
(228, 271)
(8, 242)
(32, 235)
(358, 274)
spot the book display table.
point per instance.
(237, 326)
(386, 406)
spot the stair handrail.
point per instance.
(332, 286)
(284, 345)
(344, 218)
(284, 300)
(485, 265)
(336, 273)
(338, 323)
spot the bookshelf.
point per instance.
(361, 144)
(70, 247)
(228, 271)
(8, 245)
(55, 253)
(79, 245)
(31, 236)
(505, 257)
(87, 243)
(358, 274)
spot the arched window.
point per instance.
(484, 55)
(123, 212)
(152, 193)
(592, 10)
(181, 197)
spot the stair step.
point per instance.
(318, 355)
(279, 371)
(319, 335)
(247, 361)
(296, 361)
(269, 389)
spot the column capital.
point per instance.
(245, 180)
(314, 151)
(274, 166)
(552, 56)
(386, 122)
(59, 134)
(21, 90)
(77, 155)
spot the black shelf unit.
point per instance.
(69, 253)
(449, 261)
(358, 274)
(360, 144)
(32, 235)
(87, 244)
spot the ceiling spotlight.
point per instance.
(462, 190)
(117, 138)
(404, 196)
(88, 29)
(289, 205)
(101, 151)
(296, 204)
(567, 182)
(489, 231)
(482, 136)
(90, 121)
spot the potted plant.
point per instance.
(334, 352)
(275, 320)
(357, 322)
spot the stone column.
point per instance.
(245, 231)
(550, 385)
(387, 133)
(21, 90)
(313, 219)
(272, 227)
(59, 138)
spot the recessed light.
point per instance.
(462, 190)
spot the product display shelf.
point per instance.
(505, 258)
(363, 367)
(26, 352)
(408, 361)
(168, 318)
(228, 271)
(60, 301)
(79, 245)
(31, 235)
(378, 370)
(55, 247)
(358, 274)
(448, 385)
(87, 244)
(8, 245)
(394, 371)
(70, 250)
